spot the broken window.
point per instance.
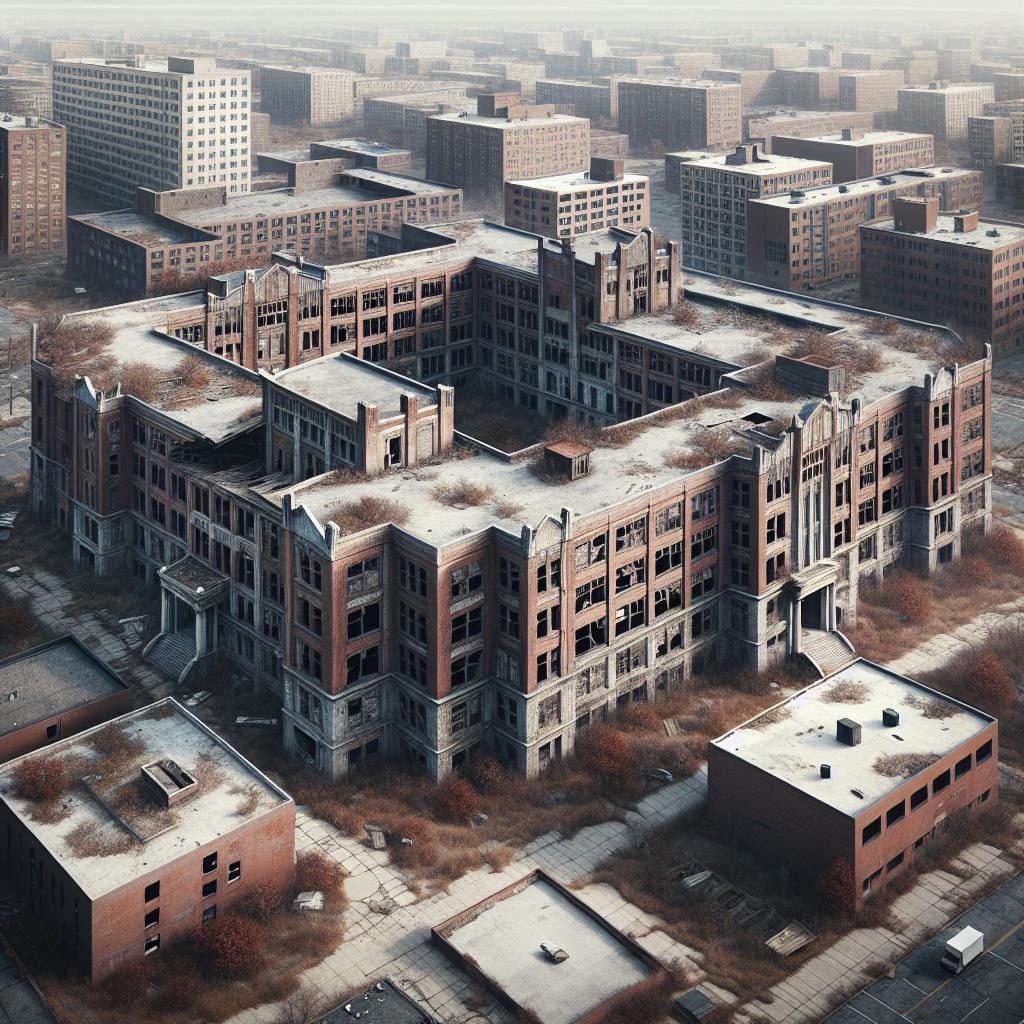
(590, 594)
(592, 635)
(591, 552)
(209, 863)
(631, 534)
(466, 580)
(234, 871)
(631, 574)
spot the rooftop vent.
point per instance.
(826, 771)
(992, 233)
(890, 718)
(848, 731)
(567, 459)
(843, 189)
(170, 783)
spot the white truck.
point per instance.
(967, 945)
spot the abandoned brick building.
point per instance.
(305, 510)
(160, 825)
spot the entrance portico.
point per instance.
(811, 596)
(189, 595)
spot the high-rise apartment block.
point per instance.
(811, 237)
(403, 119)
(176, 123)
(757, 88)
(942, 109)
(761, 126)
(714, 190)
(855, 154)
(1010, 184)
(680, 114)
(313, 96)
(590, 99)
(440, 629)
(33, 193)
(567, 205)
(870, 90)
(810, 88)
(480, 152)
(1008, 85)
(953, 269)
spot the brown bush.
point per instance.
(639, 718)
(16, 621)
(889, 327)
(113, 741)
(498, 857)
(262, 901)
(706, 448)
(604, 751)
(194, 373)
(1005, 549)
(230, 946)
(686, 314)
(486, 773)
(128, 984)
(905, 594)
(179, 988)
(42, 779)
(313, 870)
(456, 799)
(989, 681)
(836, 888)
(139, 381)
(367, 512)
(506, 508)
(463, 493)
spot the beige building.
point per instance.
(566, 205)
(310, 95)
(855, 154)
(33, 195)
(714, 190)
(172, 123)
(941, 109)
(480, 152)
(680, 113)
(761, 125)
(870, 90)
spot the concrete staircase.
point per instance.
(827, 651)
(172, 654)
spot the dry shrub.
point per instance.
(903, 766)
(933, 708)
(1005, 549)
(567, 428)
(639, 718)
(457, 800)
(262, 901)
(498, 857)
(248, 802)
(463, 493)
(367, 512)
(905, 594)
(706, 448)
(16, 621)
(486, 773)
(506, 508)
(772, 717)
(314, 871)
(846, 693)
(230, 946)
(424, 847)
(42, 780)
(763, 384)
(686, 314)
(128, 984)
(90, 839)
(74, 346)
(604, 751)
(194, 373)
(836, 888)
(114, 742)
(179, 989)
(889, 327)
(840, 348)
(990, 682)
(139, 381)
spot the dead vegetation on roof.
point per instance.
(705, 448)
(92, 839)
(846, 692)
(932, 707)
(74, 346)
(249, 800)
(366, 512)
(506, 508)
(903, 766)
(771, 717)
(462, 493)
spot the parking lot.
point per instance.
(988, 991)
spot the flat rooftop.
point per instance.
(577, 179)
(21, 122)
(766, 163)
(368, 146)
(866, 186)
(135, 227)
(864, 139)
(341, 382)
(105, 830)
(502, 936)
(795, 737)
(991, 235)
(232, 397)
(50, 680)
(680, 83)
(953, 87)
(503, 123)
(384, 1003)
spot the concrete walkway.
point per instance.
(19, 1001)
(388, 925)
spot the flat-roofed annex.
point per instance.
(792, 739)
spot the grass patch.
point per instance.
(367, 512)
(463, 493)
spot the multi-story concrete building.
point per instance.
(1010, 184)
(403, 119)
(590, 100)
(613, 145)
(770, 57)
(854, 154)
(991, 143)
(760, 126)
(870, 90)
(312, 95)
(26, 95)
(757, 88)
(809, 88)
(813, 767)
(179, 828)
(809, 238)
(567, 205)
(431, 627)
(33, 192)
(520, 75)
(953, 269)
(942, 109)
(361, 153)
(480, 152)
(680, 114)
(714, 189)
(329, 215)
(56, 690)
(177, 123)
(1008, 85)
(954, 64)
